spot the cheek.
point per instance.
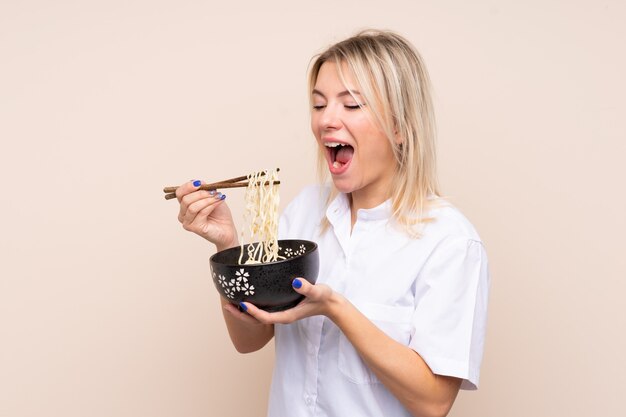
(362, 126)
(372, 140)
(314, 124)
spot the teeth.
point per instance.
(336, 164)
(333, 144)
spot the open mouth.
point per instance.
(339, 156)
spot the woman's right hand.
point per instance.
(206, 214)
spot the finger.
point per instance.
(186, 188)
(239, 315)
(191, 198)
(202, 201)
(185, 194)
(279, 317)
(304, 287)
(202, 222)
(205, 213)
(193, 203)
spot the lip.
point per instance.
(335, 171)
(331, 140)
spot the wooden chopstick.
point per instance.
(222, 184)
(217, 185)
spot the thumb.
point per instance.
(301, 286)
(314, 292)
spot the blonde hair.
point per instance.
(392, 78)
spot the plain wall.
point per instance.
(106, 304)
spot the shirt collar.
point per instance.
(340, 206)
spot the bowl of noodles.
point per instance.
(238, 276)
(262, 272)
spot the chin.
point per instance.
(343, 186)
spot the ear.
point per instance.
(397, 137)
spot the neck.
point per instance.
(366, 199)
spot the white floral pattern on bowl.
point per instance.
(235, 285)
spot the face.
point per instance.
(359, 156)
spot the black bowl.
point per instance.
(268, 285)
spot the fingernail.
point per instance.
(218, 195)
(296, 283)
(223, 196)
(243, 306)
(197, 183)
(212, 192)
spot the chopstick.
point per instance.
(214, 186)
(229, 183)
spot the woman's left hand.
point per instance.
(319, 300)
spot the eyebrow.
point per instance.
(343, 93)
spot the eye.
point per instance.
(354, 107)
(318, 107)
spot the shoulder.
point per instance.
(448, 222)
(451, 241)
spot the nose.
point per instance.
(330, 119)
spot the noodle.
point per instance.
(261, 213)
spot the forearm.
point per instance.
(398, 367)
(246, 336)
(228, 243)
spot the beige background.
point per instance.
(106, 306)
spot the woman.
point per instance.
(395, 324)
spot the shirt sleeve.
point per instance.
(450, 317)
